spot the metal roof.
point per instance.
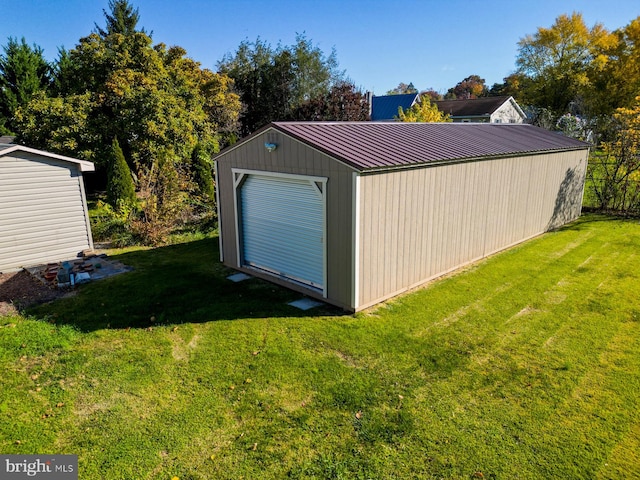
(386, 145)
(385, 107)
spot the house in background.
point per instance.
(43, 208)
(483, 110)
(385, 107)
(353, 213)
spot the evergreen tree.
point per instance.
(23, 73)
(201, 162)
(123, 19)
(63, 74)
(273, 83)
(121, 193)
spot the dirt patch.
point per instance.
(29, 287)
(20, 290)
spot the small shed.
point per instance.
(354, 213)
(43, 208)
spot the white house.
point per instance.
(483, 110)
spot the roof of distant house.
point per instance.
(474, 107)
(385, 107)
(369, 146)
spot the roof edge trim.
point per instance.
(85, 165)
(439, 163)
(274, 126)
(242, 141)
(311, 145)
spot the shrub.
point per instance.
(121, 194)
(201, 162)
(107, 225)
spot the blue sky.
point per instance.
(434, 44)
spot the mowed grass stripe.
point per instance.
(524, 365)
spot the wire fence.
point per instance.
(612, 187)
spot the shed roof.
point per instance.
(368, 146)
(385, 107)
(84, 165)
(473, 107)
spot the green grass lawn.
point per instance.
(524, 366)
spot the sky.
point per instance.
(379, 44)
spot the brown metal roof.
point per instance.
(386, 145)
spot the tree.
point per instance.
(221, 105)
(201, 162)
(431, 94)
(343, 103)
(273, 83)
(471, 87)
(121, 194)
(614, 170)
(23, 73)
(58, 124)
(614, 74)
(62, 75)
(163, 201)
(263, 80)
(573, 126)
(423, 111)
(155, 100)
(557, 60)
(314, 73)
(512, 86)
(122, 18)
(403, 88)
(151, 98)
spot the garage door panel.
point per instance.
(282, 227)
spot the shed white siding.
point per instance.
(43, 213)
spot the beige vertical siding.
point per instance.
(418, 224)
(294, 157)
(43, 213)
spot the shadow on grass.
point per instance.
(186, 283)
(588, 218)
(183, 283)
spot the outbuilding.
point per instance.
(43, 208)
(354, 213)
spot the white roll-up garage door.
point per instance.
(282, 224)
